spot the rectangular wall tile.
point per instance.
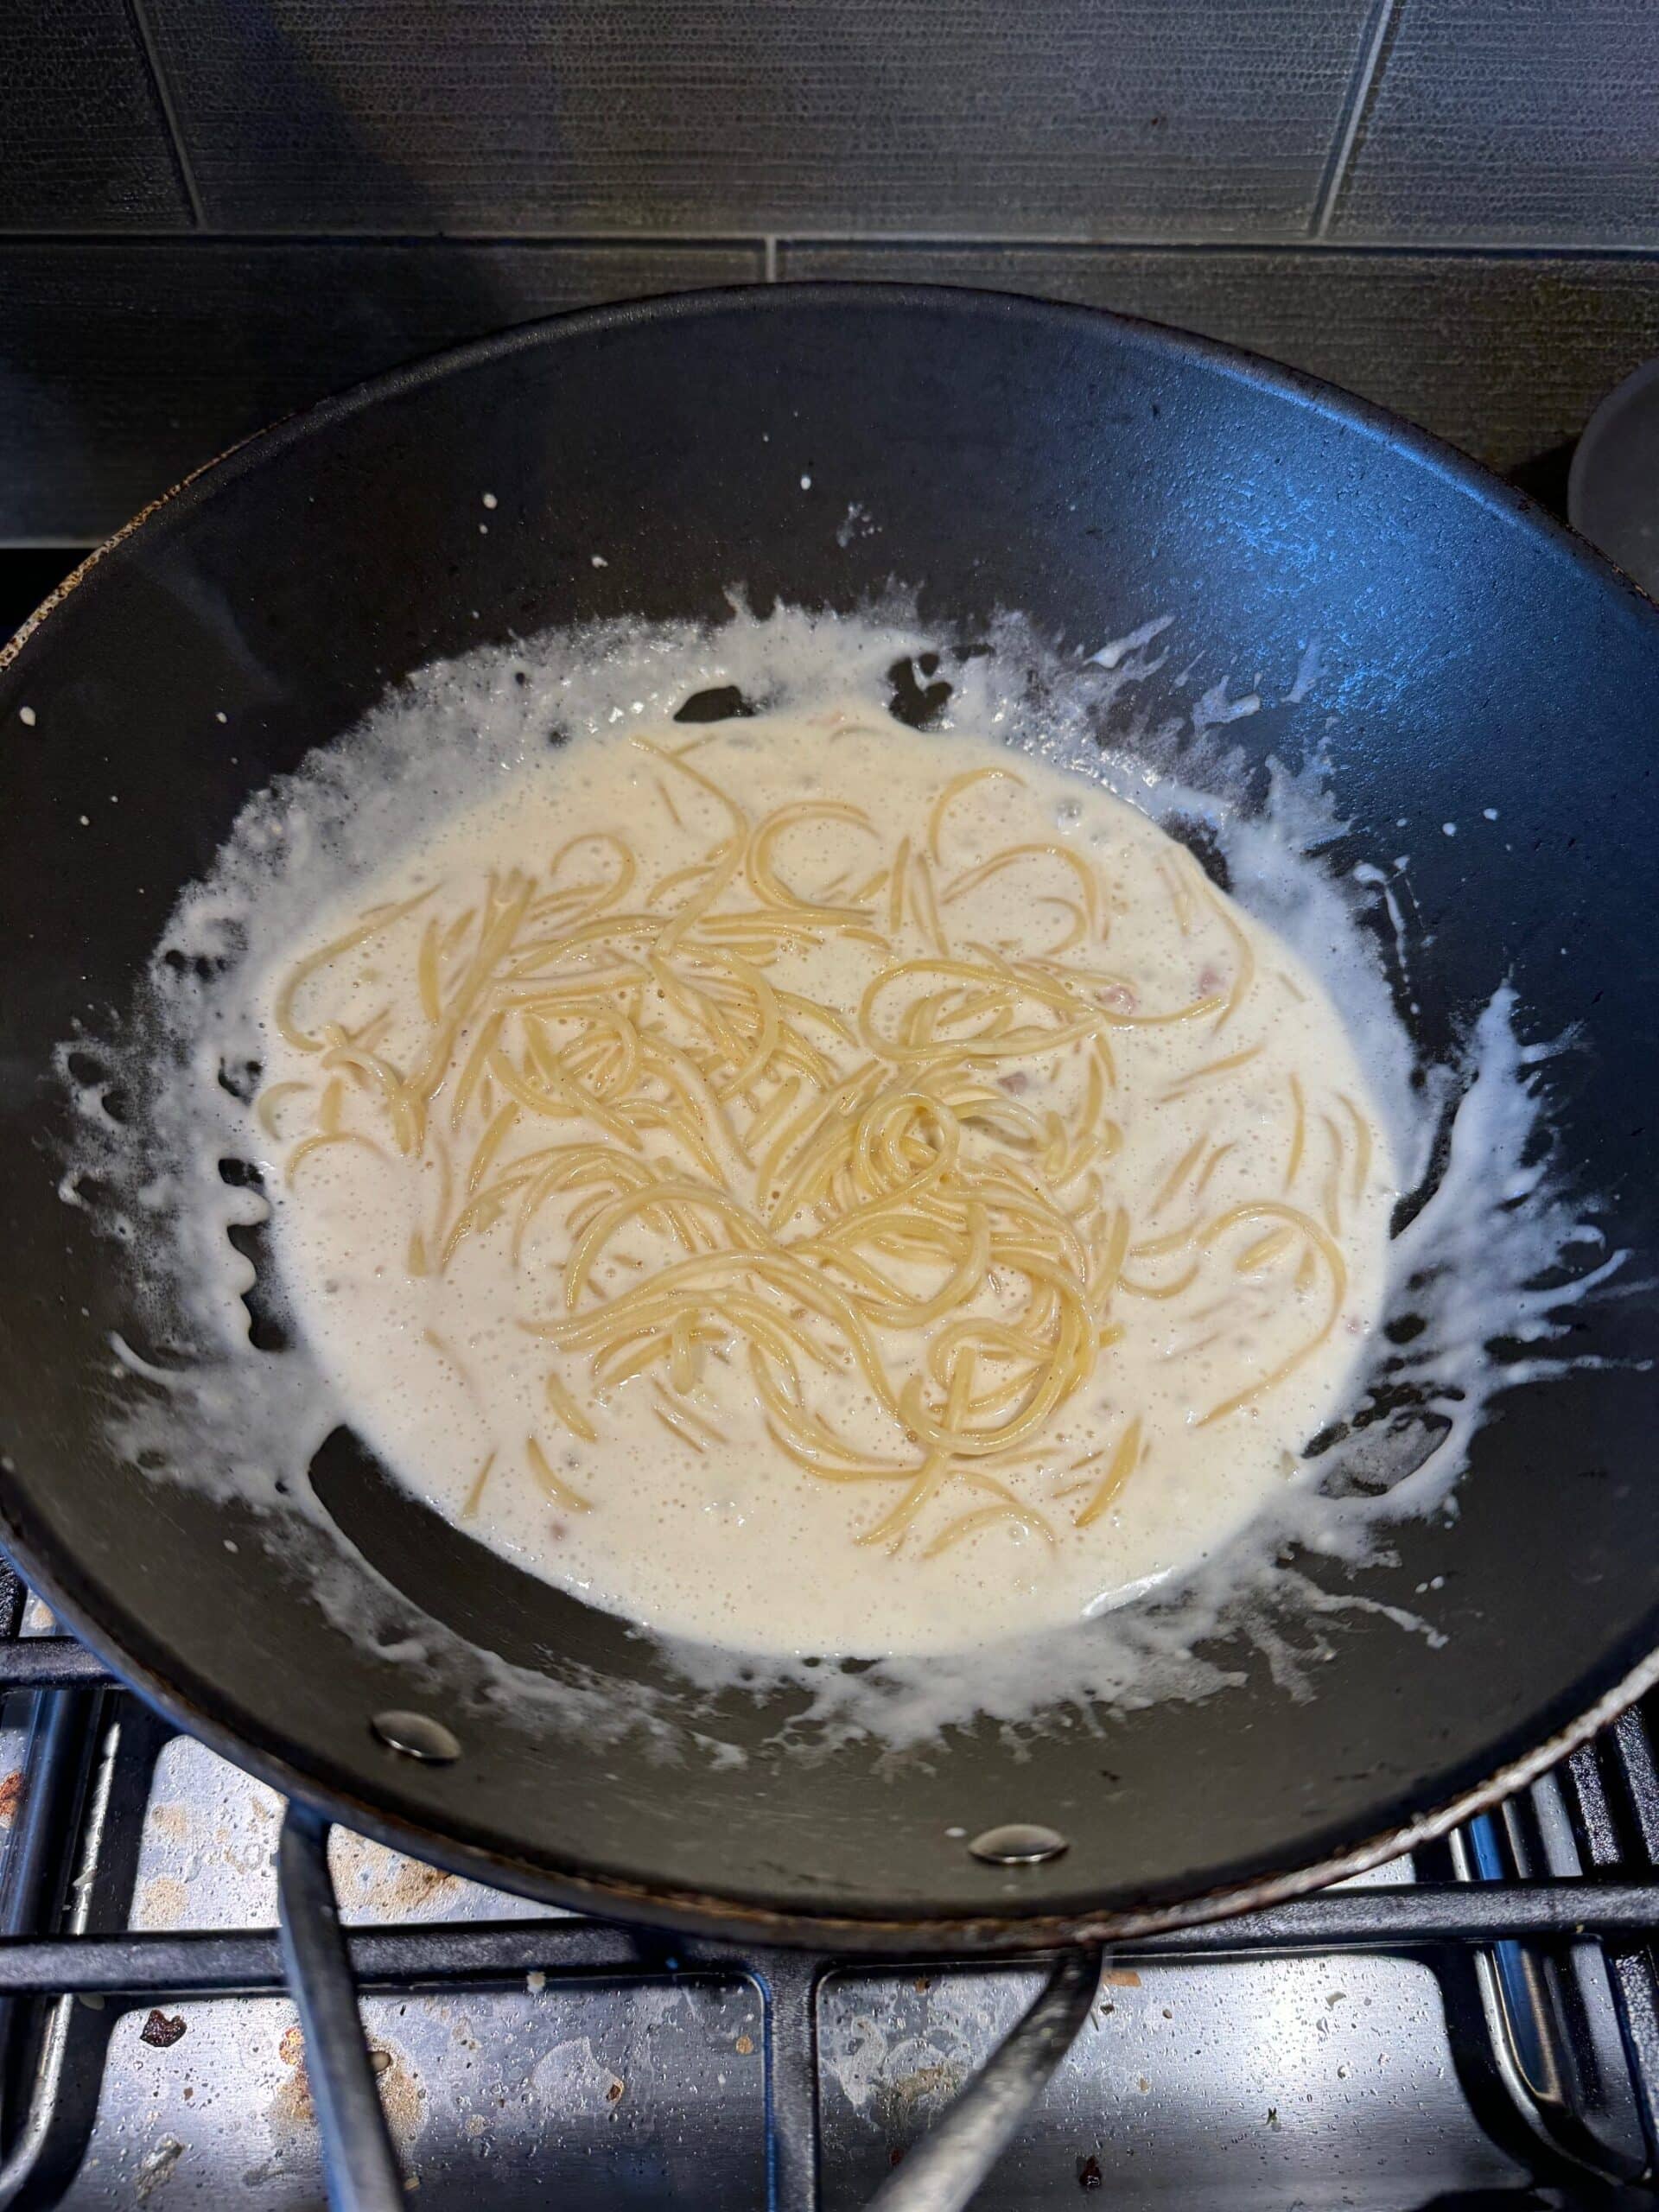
(1072, 118)
(83, 145)
(124, 367)
(1502, 356)
(1512, 123)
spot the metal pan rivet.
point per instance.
(417, 1737)
(1021, 1843)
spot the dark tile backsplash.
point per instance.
(270, 199)
(1075, 118)
(84, 144)
(1520, 122)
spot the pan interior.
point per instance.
(1092, 476)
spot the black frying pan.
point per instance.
(1091, 472)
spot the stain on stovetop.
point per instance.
(584, 2095)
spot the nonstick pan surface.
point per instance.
(1089, 472)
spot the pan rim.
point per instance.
(875, 1935)
(708, 1913)
(1240, 363)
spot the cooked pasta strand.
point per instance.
(1126, 1458)
(553, 1485)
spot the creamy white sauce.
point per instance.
(194, 1402)
(679, 1509)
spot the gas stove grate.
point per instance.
(1497, 1897)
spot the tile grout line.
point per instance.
(1298, 245)
(139, 16)
(218, 238)
(1356, 108)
